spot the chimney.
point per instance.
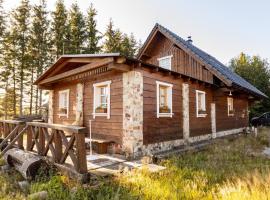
(189, 40)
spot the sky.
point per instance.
(223, 28)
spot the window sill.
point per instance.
(62, 115)
(101, 115)
(164, 115)
(201, 115)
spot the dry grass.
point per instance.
(230, 169)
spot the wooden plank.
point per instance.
(13, 141)
(120, 67)
(58, 146)
(68, 128)
(82, 69)
(29, 139)
(81, 153)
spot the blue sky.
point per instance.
(223, 28)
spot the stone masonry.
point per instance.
(132, 113)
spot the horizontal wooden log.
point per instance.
(68, 128)
(12, 121)
(25, 162)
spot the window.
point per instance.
(101, 105)
(164, 99)
(63, 102)
(200, 103)
(230, 106)
(165, 62)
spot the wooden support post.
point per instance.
(41, 139)
(29, 139)
(20, 140)
(81, 153)
(58, 146)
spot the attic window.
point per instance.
(165, 62)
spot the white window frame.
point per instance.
(95, 86)
(164, 58)
(230, 114)
(170, 96)
(59, 103)
(197, 110)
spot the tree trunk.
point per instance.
(6, 99)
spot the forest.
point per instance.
(32, 38)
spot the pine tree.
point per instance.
(113, 39)
(92, 34)
(40, 50)
(59, 28)
(2, 20)
(77, 29)
(129, 46)
(9, 77)
(20, 23)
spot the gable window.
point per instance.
(164, 99)
(230, 106)
(200, 104)
(63, 103)
(101, 102)
(165, 62)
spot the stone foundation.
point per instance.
(169, 145)
(132, 113)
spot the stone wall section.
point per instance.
(132, 113)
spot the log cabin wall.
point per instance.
(57, 119)
(102, 128)
(181, 61)
(163, 128)
(238, 120)
(199, 125)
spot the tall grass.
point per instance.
(229, 169)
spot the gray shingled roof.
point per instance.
(213, 62)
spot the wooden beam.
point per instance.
(120, 60)
(84, 68)
(83, 60)
(119, 67)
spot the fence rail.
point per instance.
(55, 140)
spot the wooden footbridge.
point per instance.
(63, 145)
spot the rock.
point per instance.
(39, 195)
(5, 168)
(266, 151)
(24, 186)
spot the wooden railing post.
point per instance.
(81, 152)
(29, 139)
(58, 146)
(20, 140)
(41, 138)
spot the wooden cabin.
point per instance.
(172, 94)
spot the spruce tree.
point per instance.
(113, 39)
(77, 29)
(92, 34)
(9, 75)
(2, 20)
(129, 46)
(40, 50)
(59, 28)
(20, 24)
